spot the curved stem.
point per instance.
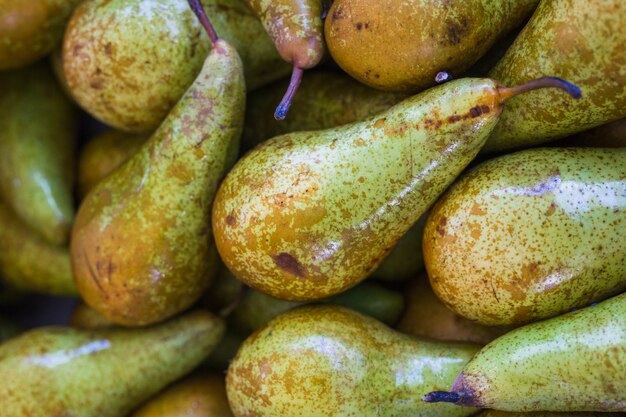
(197, 8)
(285, 103)
(543, 82)
(441, 396)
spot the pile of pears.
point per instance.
(313, 208)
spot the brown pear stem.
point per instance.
(441, 396)
(197, 8)
(285, 103)
(543, 82)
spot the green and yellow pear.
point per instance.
(307, 215)
(141, 244)
(580, 40)
(29, 30)
(401, 45)
(530, 235)
(196, 396)
(85, 317)
(574, 362)
(59, 371)
(128, 62)
(330, 361)
(38, 127)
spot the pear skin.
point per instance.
(141, 245)
(197, 396)
(38, 127)
(128, 62)
(585, 40)
(574, 362)
(330, 361)
(57, 372)
(530, 235)
(85, 317)
(29, 30)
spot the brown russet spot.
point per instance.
(380, 123)
(108, 49)
(456, 31)
(359, 26)
(551, 209)
(230, 220)
(288, 263)
(454, 118)
(96, 84)
(475, 112)
(441, 226)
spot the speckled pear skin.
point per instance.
(530, 235)
(103, 154)
(586, 43)
(325, 99)
(574, 362)
(59, 371)
(128, 62)
(38, 128)
(29, 30)
(610, 135)
(426, 316)
(30, 263)
(323, 361)
(427, 37)
(141, 245)
(196, 396)
(8, 329)
(310, 214)
(495, 413)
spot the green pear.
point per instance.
(30, 263)
(308, 215)
(85, 317)
(574, 362)
(38, 129)
(127, 62)
(580, 40)
(29, 30)
(8, 329)
(325, 99)
(59, 372)
(530, 235)
(323, 361)
(141, 244)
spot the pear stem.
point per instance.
(544, 82)
(441, 396)
(197, 8)
(285, 103)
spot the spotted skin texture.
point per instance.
(29, 30)
(401, 45)
(127, 62)
(330, 361)
(325, 99)
(575, 362)
(581, 41)
(310, 214)
(63, 372)
(197, 396)
(38, 129)
(495, 413)
(141, 245)
(530, 235)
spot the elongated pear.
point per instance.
(530, 235)
(128, 62)
(330, 361)
(580, 40)
(310, 214)
(574, 362)
(37, 140)
(141, 245)
(58, 372)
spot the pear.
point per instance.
(401, 45)
(325, 99)
(85, 317)
(331, 361)
(8, 329)
(196, 396)
(530, 235)
(58, 372)
(30, 263)
(29, 30)
(426, 316)
(103, 155)
(574, 362)
(38, 129)
(141, 245)
(308, 215)
(127, 62)
(581, 40)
